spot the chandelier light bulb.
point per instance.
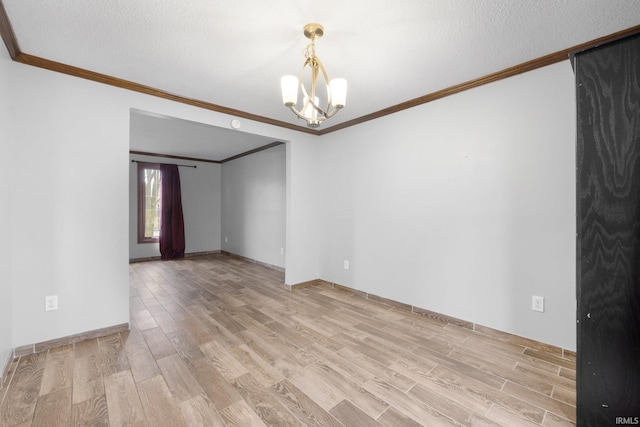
(289, 86)
(338, 89)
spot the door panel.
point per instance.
(608, 244)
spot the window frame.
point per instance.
(141, 202)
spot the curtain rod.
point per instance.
(182, 166)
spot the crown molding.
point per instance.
(170, 156)
(255, 150)
(13, 48)
(47, 64)
(534, 64)
(7, 34)
(197, 159)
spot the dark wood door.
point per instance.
(608, 243)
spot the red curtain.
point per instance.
(171, 220)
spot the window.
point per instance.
(148, 202)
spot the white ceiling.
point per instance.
(159, 134)
(233, 53)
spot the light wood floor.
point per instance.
(216, 341)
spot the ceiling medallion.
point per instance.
(336, 89)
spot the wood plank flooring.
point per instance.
(216, 341)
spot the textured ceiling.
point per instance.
(233, 53)
(159, 134)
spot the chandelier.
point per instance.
(336, 89)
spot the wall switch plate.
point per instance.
(346, 264)
(281, 251)
(537, 303)
(51, 303)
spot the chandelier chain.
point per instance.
(310, 54)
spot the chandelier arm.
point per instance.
(326, 81)
(314, 77)
(303, 117)
(314, 81)
(332, 113)
(304, 90)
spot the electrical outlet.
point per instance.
(51, 303)
(346, 264)
(537, 303)
(226, 240)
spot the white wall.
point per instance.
(303, 214)
(254, 206)
(68, 227)
(6, 135)
(69, 201)
(200, 207)
(464, 206)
